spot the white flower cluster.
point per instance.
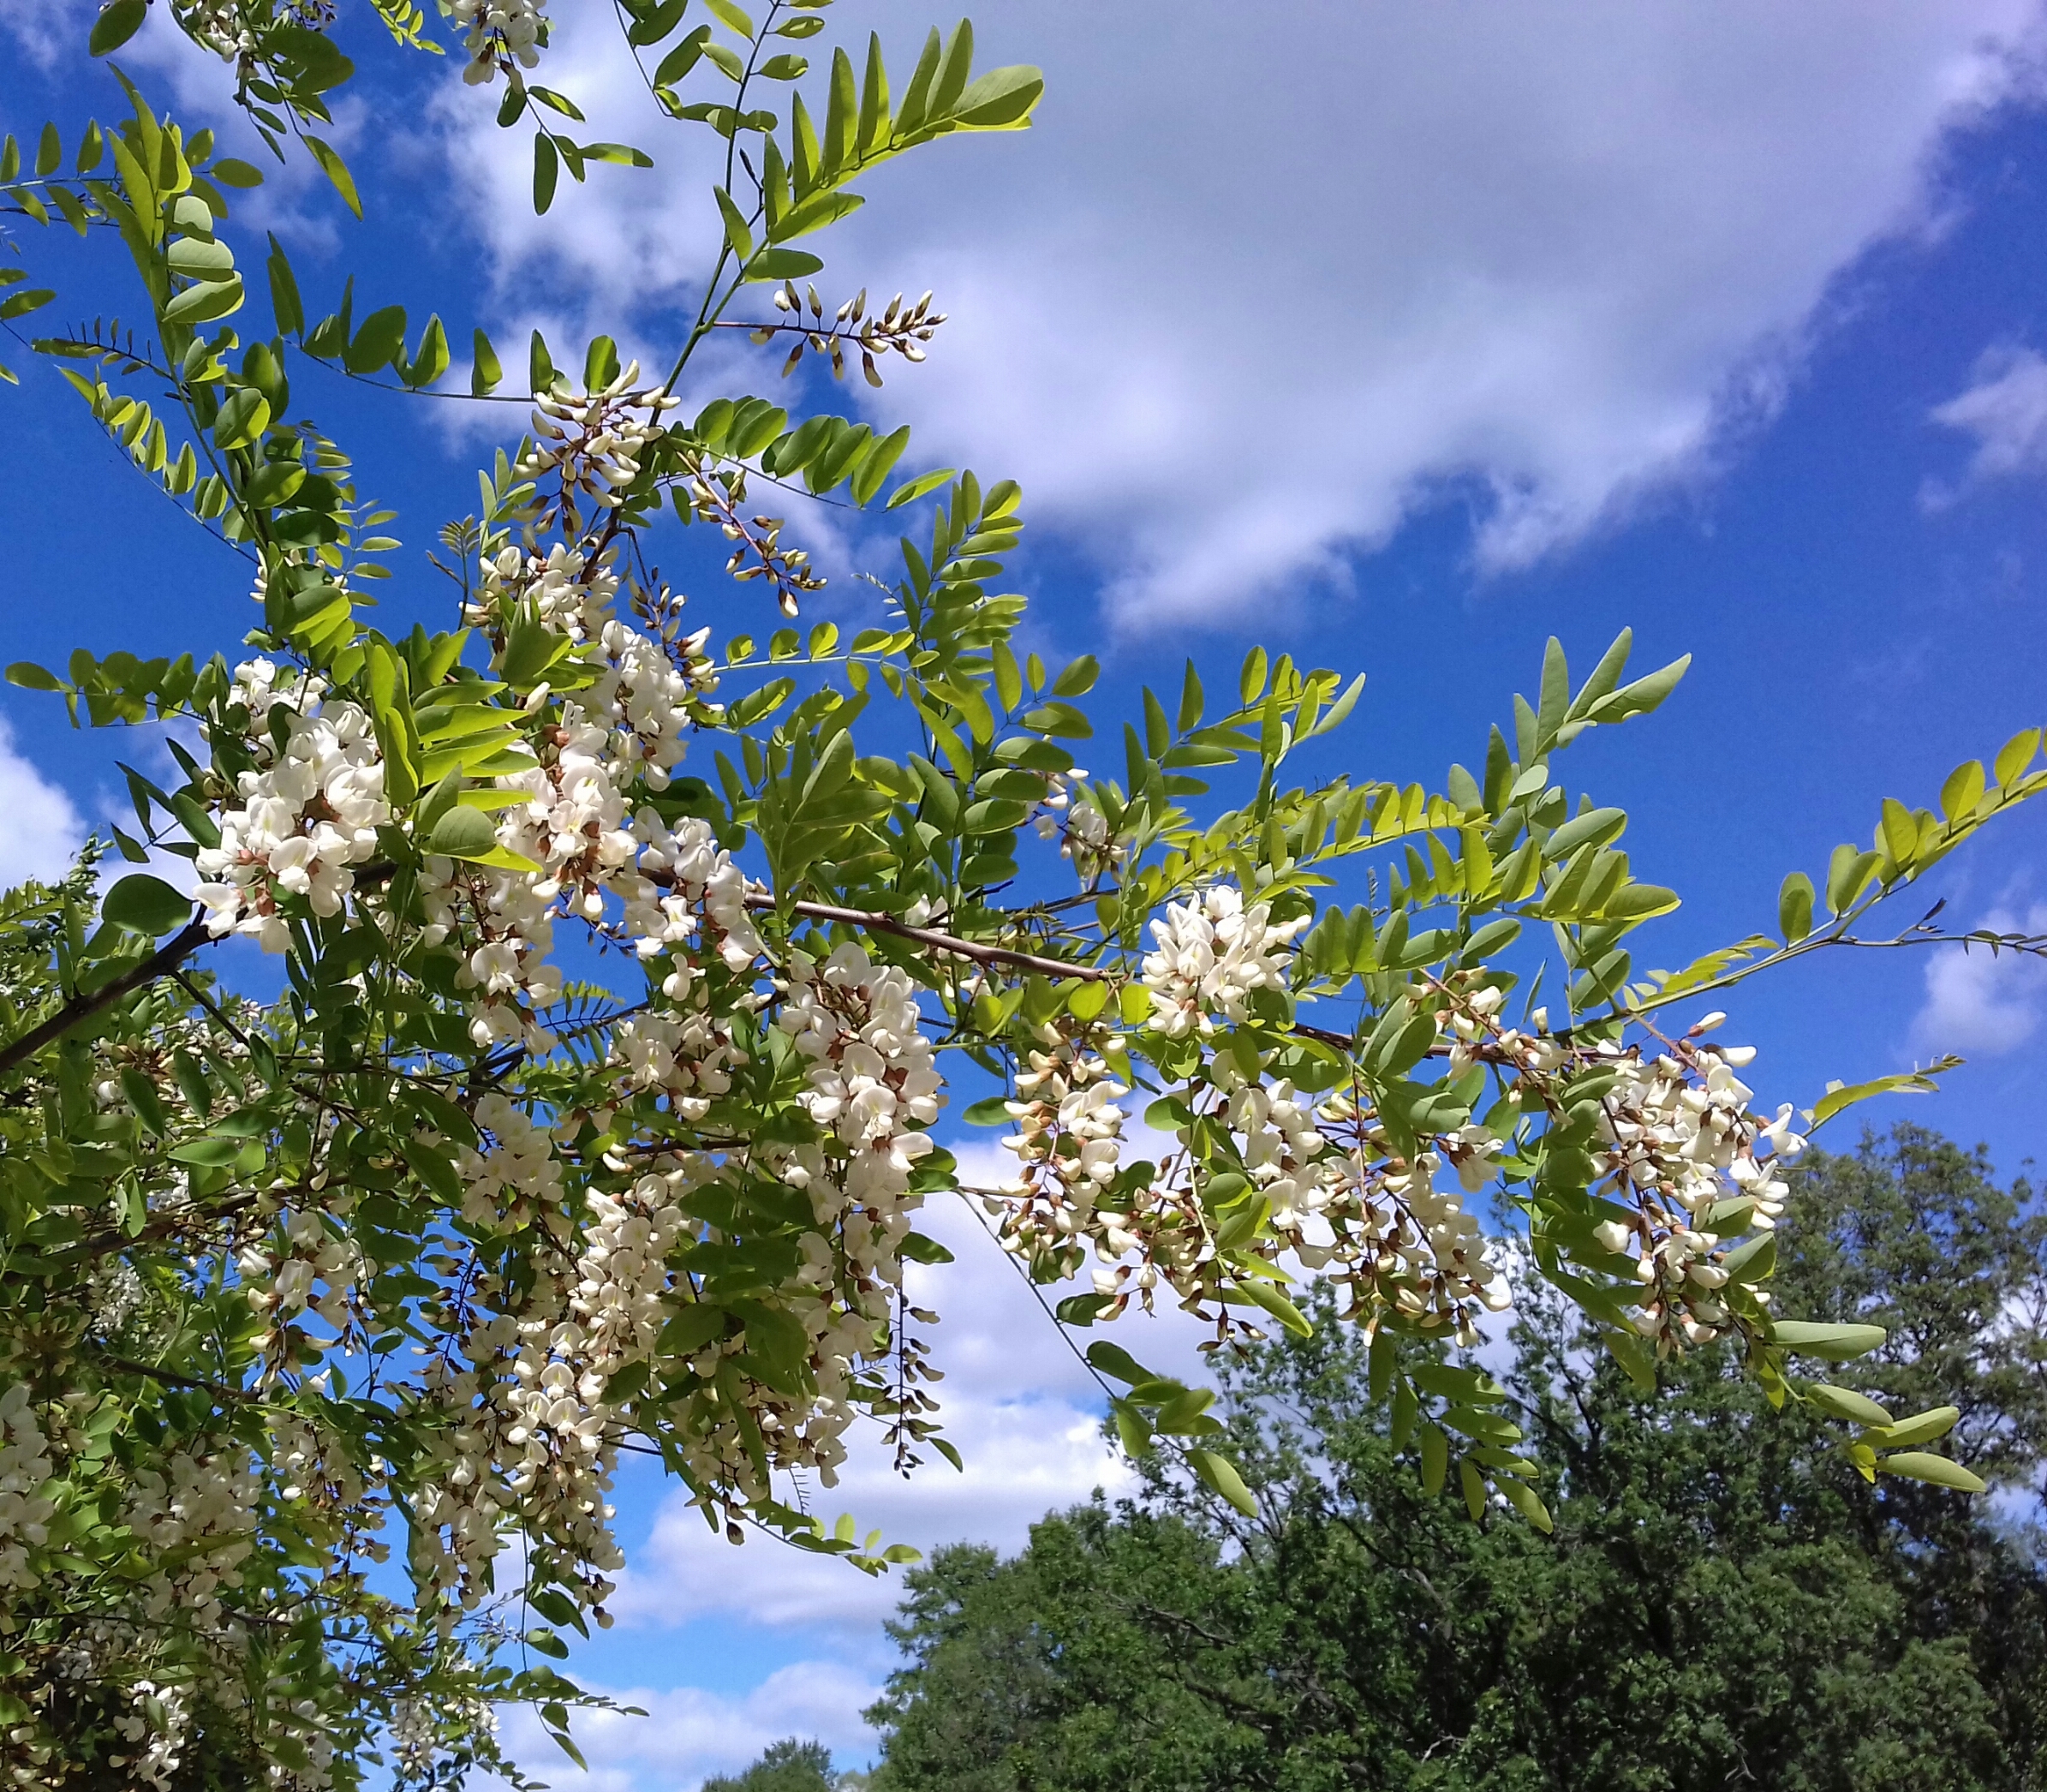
(196, 1497)
(554, 1426)
(875, 1085)
(310, 1466)
(498, 29)
(413, 1731)
(312, 1267)
(671, 886)
(1402, 1240)
(308, 811)
(570, 592)
(1280, 1146)
(618, 1297)
(596, 440)
(159, 1718)
(1680, 1140)
(1083, 830)
(25, 1470)
(1212, 953)
(1068, 1143)
(1677, 1140)
(217, 23)
(514, 1178)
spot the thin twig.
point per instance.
(160, 963)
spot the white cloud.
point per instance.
(2005, 408)
(44, 29)
(688, 1733)
(1978, 1001)
(40, 826)
(1258, 286)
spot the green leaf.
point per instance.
(432, 362)
(1920, 1428)
(1473, 1485)
(243, 419)
(1794, 908)
(1262, 1294)
(1847, 1403)
(547, 170)
(199, 304)
(284, 293)
(736, 231)
(484, 371)
(116, 25)
(731, 17)
(1001, 100)
(774, 264)
(1831, 1343)
(30, 677)
(336, 170)
(1523, 1499)
(146, 904)
(924, 484)
(1078, 678)
(683, 58)
(1919, 1465)
(1905, 1082)
(1436, 1459)
(1113, 1360)
(379, 342)
(1219, 1474)
(463, 832)
(231, 171)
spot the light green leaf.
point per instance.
(1939, 1471)
(1219, 1474)
(1832, 1343)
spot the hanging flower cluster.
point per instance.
(498, 33)
(25, 1470)
(1068, 1142)
(595, 441)
(309, 808)
(1212, 953)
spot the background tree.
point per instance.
(1725, 1599)
(792, 1764)
(629, 959)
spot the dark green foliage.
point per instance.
(790, 1766)
(1726, 1602)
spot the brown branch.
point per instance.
(198, 1384)
(878, 922)
(160, 963)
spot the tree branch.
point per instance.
(160, 963)
(875, 922)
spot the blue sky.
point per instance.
(1397, 339)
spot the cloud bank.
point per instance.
(40, 827)
(1982, 1003)
(1258, 288)
(2005, 408)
